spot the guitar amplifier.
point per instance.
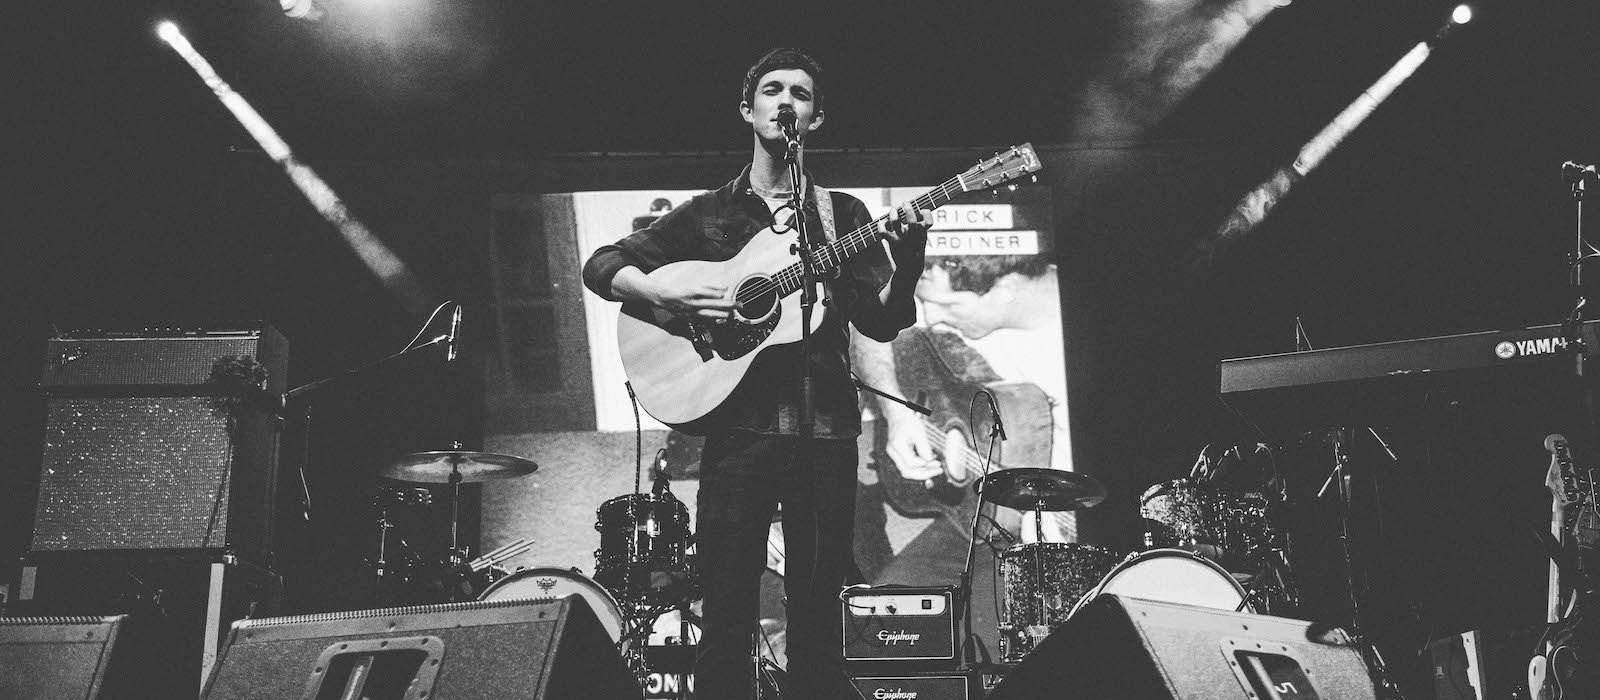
(918, 686)
(160, 439)
(898, 627)
(162, 357)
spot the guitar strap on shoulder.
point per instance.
(824, 210)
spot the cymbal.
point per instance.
(1033, 488)
(435, 467)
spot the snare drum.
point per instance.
(1172, 576)
(1042, 580)
(643, 543)
(556, 583)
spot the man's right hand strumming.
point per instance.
(704, 300)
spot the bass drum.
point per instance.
(1172, 576)
(556, 583)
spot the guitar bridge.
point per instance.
(700, 337)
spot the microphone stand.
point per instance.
(808, 300)
(299, 396)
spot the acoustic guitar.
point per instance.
(683, 368)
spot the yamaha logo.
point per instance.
(1506, 350)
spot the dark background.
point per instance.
(130, 195)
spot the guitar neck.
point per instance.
(835, 253)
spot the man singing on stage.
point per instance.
(754, 457)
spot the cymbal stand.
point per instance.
(1038, 579)
(1356, 582)
(456, 555)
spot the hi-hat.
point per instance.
(436, 467)
(1033, 488)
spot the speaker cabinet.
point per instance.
(544, 649)
(167, 356)
(178, 610)
(946, 685)
(160, 443)
(1140, 649)
(45, 658)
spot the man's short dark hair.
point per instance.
(784, 59)
(978, 273)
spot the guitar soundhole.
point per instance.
(757, 297)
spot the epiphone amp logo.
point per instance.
(893, 638)
(896, 694)
(1529, 348)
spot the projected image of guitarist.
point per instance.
(991, 322)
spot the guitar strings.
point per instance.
(940, 441)
(789, 278)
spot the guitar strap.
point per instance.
(824, 210)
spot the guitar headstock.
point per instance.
(1562, 479)
(1004, 167)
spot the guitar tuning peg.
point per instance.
(994, 194)
(1033, 178)
(1012, 187)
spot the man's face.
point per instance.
(973, 315)
(790, 86)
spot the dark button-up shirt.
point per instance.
(714, 226)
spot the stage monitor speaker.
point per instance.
(543, 649)
(177, 610)
(1118, 647)
(45, 658)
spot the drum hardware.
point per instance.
(389, 497)
(455, 578)
(455, 467)
(1038, 490)
(1340, 477)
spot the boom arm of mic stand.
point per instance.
(919, 408)
(313, 387)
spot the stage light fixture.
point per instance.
(1461, 15)
(168, 32)
(302, 9)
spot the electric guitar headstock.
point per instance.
(1562, 479)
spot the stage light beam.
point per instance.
(379, 259)
(1254, 207)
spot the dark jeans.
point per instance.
(743, 477)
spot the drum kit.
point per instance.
(644, 582)
(1205, 545)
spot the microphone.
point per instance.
(455, 330)
(1571, 173)
(787, 119)
(999, 427)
